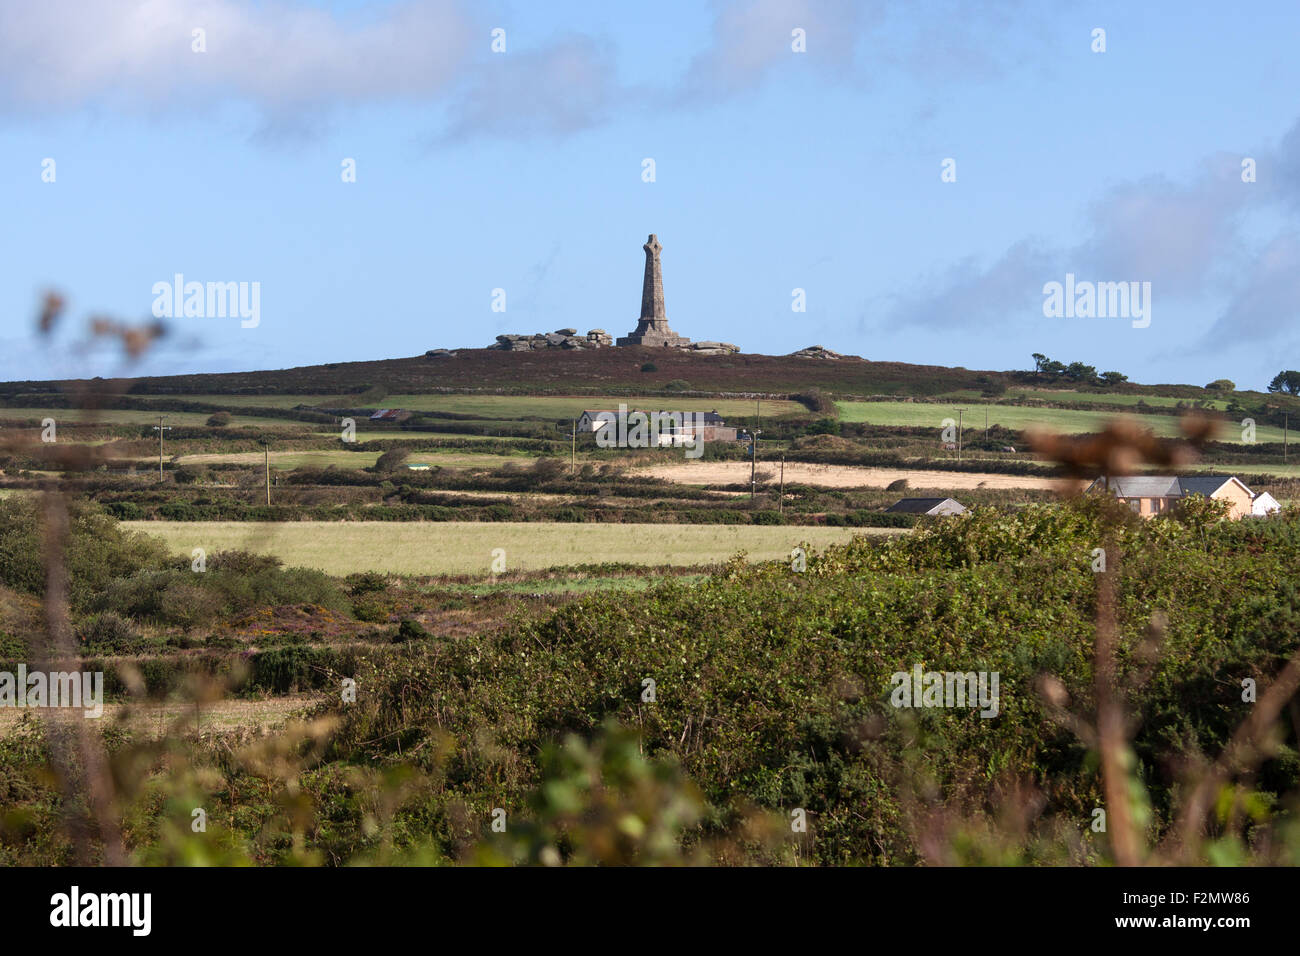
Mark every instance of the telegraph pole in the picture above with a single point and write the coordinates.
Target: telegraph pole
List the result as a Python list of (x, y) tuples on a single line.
[(959, 411), (573, 449), (781, 501), (266, 450), (160, 428), (753, 464)]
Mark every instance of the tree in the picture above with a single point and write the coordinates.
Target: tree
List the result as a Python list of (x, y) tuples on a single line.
[(391, 460), (1288, 381), (1222, 385), (219, 420), (1078, 372), (1113, 378), (1039, 361)]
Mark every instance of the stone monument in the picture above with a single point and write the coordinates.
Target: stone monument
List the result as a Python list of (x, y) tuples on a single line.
[(652, 328)]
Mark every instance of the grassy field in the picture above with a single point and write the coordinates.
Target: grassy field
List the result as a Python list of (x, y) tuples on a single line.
[(841, 476), (289, 460), (514, 406), (1105, 398), (1069, 421), (458, 547), (118, 416), (159, 720)]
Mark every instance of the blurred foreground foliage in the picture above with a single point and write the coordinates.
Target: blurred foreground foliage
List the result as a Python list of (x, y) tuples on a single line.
[(770, 704)]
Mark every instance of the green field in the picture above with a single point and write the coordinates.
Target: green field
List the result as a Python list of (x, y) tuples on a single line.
[(289, 460), (116, 416), (462, 547), (1106, 398), (514, 406), (1017, 417)]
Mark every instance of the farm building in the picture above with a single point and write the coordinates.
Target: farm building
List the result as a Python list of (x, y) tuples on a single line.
[(1264, 504), (927, 506), (674, 428), (390, 415), (1150, 495), (592, 419)]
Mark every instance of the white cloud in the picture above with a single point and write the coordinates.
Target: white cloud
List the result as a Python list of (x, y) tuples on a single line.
[(61, 54)]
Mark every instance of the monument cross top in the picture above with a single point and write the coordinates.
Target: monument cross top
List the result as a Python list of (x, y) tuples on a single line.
[(652, 327)]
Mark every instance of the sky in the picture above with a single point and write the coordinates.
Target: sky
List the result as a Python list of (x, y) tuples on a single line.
[(920, 169)]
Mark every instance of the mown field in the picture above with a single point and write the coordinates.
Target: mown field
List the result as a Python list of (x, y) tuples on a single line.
[(1015, 417), (456, 547)]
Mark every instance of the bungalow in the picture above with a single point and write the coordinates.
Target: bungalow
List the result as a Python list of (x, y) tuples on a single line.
[(1150, 495), (927, 506)]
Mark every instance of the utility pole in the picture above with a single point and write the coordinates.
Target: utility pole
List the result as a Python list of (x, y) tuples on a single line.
[(573, 449), (160, 428), (753, 461), (959, 411), (986, 423), (1286, 421), (753, 466), (266, 449), (781, 501)]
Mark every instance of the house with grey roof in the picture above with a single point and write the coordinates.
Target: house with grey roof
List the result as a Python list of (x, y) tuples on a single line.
[(1150, 495), (926, 506)]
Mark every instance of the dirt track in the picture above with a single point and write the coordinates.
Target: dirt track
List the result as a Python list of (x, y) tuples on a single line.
[(837, 476)]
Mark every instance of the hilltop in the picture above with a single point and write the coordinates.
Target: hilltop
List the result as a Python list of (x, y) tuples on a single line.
[(612, 370)]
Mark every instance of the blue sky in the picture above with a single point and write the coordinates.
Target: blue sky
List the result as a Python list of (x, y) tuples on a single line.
[(775, 170)]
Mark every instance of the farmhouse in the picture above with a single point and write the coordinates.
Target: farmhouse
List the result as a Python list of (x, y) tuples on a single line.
[(592, 419), (671, 428), (927, 506), (1150, 495)]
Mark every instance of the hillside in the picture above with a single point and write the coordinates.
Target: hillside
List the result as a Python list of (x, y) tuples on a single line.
[(605, 370)]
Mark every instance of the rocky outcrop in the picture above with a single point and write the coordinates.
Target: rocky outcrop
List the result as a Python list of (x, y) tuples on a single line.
[(712, 348), (816, 351), (559, 339)]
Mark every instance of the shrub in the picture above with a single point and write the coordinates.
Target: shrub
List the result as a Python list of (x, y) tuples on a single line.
[(366, 582), (98, 550), (219, 420), (409, 630), (108, 632), (391, 460)]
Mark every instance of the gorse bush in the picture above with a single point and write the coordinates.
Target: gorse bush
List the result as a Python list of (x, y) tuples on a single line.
[(772, 686), (235, 582), (98, 550)]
